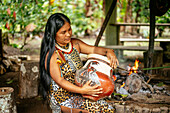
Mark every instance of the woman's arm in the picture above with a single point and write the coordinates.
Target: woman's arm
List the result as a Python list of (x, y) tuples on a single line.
[(88, 49), (56, 76)]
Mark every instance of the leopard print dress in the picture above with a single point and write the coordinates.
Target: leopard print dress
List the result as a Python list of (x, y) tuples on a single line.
[(59, 96)]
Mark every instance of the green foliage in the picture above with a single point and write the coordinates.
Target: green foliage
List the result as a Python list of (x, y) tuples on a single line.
[(143, 7), (26, 12), (163, 19), (160, 84), (75, 10), (16, 45), (38, 11), (121, 10)]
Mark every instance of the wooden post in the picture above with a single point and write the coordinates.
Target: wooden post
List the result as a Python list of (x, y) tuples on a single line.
[(109, 13), (112, 32), (29, 79), (151, 37), (157, 61), (7, 101)]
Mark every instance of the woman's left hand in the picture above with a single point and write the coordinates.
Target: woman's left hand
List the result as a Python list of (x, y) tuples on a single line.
[(113, 59)]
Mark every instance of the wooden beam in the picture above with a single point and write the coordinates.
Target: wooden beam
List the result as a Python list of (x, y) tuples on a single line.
[(142, 40), (132, 48), (113, 5), (139, 24), (151, 37)]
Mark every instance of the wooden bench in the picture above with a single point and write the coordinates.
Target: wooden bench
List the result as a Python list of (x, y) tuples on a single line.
[(136, 24), (120, 48), (137, 48), (122, 40), (132, 48)]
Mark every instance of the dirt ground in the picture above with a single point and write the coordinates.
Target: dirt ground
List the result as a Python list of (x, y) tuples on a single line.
[(30, 105)]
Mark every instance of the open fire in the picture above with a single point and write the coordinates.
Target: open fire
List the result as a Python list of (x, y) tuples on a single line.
[(128, 81), (135, 67), (132, 70), (132, 85)]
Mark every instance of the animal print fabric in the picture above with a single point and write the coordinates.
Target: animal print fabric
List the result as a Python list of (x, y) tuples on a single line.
[(60, 96)]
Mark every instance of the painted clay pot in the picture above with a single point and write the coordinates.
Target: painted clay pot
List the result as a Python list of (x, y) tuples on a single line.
[(98, 70)]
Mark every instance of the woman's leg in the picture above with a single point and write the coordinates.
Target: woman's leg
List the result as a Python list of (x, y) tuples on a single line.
[(72, 110)]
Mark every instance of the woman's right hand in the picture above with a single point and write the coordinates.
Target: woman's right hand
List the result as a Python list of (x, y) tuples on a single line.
[(91, 90)]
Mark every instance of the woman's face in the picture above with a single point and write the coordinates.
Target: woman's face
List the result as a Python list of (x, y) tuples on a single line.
[(63, 36)]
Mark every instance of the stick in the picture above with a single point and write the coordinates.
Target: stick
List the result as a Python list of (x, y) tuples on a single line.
[(156, 68)]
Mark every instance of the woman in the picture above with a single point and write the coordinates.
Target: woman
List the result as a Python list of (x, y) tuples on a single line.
[(59, 59)]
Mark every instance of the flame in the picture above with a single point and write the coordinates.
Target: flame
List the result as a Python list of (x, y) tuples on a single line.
[(114, 77), (122, 85), (135, 67)]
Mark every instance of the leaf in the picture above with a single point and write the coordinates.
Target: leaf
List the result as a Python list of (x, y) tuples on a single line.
[(9, 82), (160, 84), (15, 45), (120, 95)]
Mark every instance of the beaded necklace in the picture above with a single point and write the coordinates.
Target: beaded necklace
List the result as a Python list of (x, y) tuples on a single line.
[(65, 49)]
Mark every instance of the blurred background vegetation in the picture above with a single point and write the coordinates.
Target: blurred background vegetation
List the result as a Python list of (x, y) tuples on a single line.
[(86, 15)]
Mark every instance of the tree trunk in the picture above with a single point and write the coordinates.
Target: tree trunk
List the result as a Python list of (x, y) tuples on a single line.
[(137, 16), (29, 79), (1, 47), (128, 13), (88, 14), (7, 101)]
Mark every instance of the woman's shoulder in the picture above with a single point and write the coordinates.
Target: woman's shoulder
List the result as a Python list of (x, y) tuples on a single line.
[(75, 40), (53, 57)]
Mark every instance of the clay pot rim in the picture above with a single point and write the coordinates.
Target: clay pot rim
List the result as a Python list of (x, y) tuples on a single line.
[(6, 90), (100, 57)]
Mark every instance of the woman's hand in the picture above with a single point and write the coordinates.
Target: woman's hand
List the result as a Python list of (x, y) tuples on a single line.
[(91, 90), (113, 59)]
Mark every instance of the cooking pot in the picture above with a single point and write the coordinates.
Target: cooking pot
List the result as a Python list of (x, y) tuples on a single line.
[(98, 70)]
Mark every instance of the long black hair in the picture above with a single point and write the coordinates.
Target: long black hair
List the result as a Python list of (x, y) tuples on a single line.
[(54, 23)]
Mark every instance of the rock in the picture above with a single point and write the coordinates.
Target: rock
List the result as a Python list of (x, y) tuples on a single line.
[(164, 109), (119, 108), (137, 109), (146, 110), (128, 109), (156, 110)]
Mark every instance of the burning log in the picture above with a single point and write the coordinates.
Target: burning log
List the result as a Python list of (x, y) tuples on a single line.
[(134, 93), (132, 80), (133, 83)]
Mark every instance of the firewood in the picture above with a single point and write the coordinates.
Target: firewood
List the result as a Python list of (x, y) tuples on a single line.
[(2, 69), (15, 68), (133, 83), (14, 59), (7, 63), (24, 57)]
